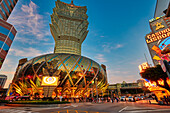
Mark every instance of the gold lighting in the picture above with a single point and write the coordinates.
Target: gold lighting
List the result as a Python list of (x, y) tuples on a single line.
[(159, 25)]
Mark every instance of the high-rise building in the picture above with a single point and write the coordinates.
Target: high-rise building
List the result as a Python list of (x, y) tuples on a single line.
[(6, 7), (161, 6), (7, 31), (3, 79), (7, 34), (157, 39), (69, 27)]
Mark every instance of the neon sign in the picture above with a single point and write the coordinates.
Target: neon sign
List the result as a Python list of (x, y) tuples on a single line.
[(158, 36)]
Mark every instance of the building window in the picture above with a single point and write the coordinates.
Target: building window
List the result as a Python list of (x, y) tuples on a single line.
[(6, 6), (2, 9), (9, 4)]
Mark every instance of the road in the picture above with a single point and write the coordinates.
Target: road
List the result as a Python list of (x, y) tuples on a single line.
[(121, 107)]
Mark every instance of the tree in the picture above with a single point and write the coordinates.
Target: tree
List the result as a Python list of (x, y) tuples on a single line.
[(154, 74)]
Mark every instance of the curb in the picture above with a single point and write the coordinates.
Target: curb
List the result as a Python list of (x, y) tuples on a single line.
[(37, 105)]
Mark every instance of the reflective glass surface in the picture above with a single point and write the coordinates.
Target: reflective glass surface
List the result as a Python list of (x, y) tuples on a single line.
[(73, 70)]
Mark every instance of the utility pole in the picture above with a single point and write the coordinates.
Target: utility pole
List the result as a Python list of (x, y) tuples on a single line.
[(146, 58)]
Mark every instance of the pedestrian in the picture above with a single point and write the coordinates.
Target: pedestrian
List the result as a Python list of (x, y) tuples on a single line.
[(112, 100), (74, 100), (134, 99), (117, 99)]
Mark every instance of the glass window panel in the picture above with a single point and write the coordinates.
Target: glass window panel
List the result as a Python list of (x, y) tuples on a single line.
[(11, 36), (6, 6), (1, 16), (3, 10), (5, 46)]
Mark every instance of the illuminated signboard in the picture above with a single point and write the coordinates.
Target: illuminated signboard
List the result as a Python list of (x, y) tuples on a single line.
[(49, 81), (158, 25), (157, 40), (158, 36), (143, 66)]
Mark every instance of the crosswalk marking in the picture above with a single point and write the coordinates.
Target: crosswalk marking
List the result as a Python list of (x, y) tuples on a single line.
[(15, 111), (123, 109), (142, 111)]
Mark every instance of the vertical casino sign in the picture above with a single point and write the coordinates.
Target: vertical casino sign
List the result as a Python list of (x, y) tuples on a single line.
[(158, 39)]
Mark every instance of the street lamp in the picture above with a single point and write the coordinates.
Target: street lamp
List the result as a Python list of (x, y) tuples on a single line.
[(96, 89)]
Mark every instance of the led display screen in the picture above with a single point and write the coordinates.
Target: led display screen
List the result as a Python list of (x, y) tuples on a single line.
[(49, 81)]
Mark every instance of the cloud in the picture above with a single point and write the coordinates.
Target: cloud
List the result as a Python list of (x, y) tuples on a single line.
[(28, 21), (26, 40), (118, 76), (28, 52), (118, 46), (100, 58), (138, 61), (109, 47)]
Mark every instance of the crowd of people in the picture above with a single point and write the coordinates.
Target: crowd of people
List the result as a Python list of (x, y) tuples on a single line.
[(90, 99)]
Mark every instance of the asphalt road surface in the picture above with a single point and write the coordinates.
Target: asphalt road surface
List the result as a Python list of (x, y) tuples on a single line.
[(121, 107)]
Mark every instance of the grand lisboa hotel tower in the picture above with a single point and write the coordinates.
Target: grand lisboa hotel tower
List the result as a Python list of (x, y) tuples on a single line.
[(65, 72)]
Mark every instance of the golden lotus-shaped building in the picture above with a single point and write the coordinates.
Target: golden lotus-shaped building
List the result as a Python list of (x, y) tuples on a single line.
[(65, 72), (77, 75)]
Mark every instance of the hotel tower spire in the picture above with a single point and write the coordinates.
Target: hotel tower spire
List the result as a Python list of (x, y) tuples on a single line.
[(69, 27)]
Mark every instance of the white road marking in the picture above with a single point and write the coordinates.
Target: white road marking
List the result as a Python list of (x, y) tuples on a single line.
[(66, 107), (123, 109), (74, 105), (15, 111), (149, 110)]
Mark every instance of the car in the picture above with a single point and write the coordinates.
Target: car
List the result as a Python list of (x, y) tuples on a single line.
[(123, 98), (130, 98), (137, 98), (142, 97)]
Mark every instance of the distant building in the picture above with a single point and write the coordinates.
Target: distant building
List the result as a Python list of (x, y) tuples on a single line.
[(3, 79), (127, 88), (7, 31)]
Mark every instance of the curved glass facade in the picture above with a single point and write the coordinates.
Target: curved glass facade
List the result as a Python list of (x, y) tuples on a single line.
[(77, 75)]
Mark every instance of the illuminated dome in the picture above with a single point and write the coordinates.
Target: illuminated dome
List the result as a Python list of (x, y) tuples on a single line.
[(76, 75)]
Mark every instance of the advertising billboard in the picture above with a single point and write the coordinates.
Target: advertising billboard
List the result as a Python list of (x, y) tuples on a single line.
[(49, 81), (158, 40)]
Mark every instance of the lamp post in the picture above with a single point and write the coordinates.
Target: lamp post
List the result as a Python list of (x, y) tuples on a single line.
[(96, 89)]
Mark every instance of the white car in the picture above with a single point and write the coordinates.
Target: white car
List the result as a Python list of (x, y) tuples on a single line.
[(123, 98), (130, 98)]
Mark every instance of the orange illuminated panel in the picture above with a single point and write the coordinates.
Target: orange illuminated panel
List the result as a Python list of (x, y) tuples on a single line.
[(49, 81), (143, 66), (156, 49)]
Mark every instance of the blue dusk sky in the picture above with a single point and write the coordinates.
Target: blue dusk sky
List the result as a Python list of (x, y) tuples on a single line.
[(116, 34)]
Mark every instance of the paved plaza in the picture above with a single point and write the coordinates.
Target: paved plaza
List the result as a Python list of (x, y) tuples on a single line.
[(120, 107)]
